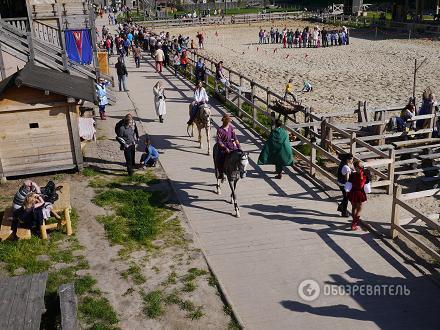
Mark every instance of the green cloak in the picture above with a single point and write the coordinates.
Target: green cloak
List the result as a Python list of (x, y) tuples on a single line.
[(277, 150)]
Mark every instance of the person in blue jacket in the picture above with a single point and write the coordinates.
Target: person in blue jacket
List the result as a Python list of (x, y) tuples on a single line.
[(151, 155)]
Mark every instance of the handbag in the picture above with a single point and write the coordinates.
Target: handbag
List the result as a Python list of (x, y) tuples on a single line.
[(367, 188), (347, 186)]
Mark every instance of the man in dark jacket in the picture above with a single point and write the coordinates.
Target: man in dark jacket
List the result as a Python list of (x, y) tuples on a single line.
[(122, 73), (127, 138)]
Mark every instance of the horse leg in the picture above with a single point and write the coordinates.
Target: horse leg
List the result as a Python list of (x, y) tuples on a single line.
[(237, 209), (200, 137), (208, 138), (219, 191), (232, 185)]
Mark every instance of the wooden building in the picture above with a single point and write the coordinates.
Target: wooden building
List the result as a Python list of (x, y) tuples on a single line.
[(39, 121)]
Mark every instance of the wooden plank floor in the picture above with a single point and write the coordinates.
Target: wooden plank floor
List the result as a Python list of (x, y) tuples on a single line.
[(289, 231), (22, 301)]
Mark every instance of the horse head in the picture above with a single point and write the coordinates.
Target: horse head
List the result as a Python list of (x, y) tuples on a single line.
[(243, 164), (205, 113)]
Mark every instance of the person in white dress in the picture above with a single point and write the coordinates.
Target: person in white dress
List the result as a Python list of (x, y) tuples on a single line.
[(159, 100)]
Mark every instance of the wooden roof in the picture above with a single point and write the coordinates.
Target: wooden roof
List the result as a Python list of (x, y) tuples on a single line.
[(51, 80)]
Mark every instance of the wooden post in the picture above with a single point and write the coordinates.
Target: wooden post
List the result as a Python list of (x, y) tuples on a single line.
[(61, 39), (239, 95), (69, 230), (254, 111), (359, 112), (395, 211), (324, 133), (312, 158), (353, 143), (330, 133), (94, 42), (391, 171), (2, 64), (74, 131)]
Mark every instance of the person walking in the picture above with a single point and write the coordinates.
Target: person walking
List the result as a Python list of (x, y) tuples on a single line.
[(288, 91), (101, 93), (357, 195), (121, 71), (137, 55), (127, 139), (344, 170), (159, 57), (277, 150), (159, 100)]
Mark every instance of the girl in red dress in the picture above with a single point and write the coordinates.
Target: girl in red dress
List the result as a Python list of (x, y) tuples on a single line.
[(357, 195)]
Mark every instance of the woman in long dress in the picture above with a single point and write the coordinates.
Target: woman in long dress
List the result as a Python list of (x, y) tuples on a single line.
[(159, 100)]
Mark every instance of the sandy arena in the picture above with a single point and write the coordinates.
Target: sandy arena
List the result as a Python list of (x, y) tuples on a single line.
[(378, 71)]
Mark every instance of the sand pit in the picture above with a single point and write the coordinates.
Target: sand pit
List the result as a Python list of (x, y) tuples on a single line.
[(378, 71)]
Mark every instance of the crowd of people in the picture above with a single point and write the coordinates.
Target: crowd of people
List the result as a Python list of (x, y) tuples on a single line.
[(305, 38), (166, 49)]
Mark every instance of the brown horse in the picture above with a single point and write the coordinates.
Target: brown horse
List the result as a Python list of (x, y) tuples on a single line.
[(202, 121), (284, 108)]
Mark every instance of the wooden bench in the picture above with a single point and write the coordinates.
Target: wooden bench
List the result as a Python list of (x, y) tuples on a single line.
[(416, 142), (22, 301), (61, 205), (68, 307), (6, 231)]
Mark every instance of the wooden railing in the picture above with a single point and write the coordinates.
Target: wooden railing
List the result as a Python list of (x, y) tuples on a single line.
[(46, 33), (432, 221), (20, 23), (252, 103), (235, 19)]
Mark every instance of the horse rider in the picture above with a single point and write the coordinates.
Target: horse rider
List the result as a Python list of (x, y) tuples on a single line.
[(200, 97), (226, 140)]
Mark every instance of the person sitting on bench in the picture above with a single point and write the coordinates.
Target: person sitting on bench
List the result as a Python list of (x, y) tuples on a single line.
[(26, 188), (406, 114), (33, 213), (151, 155)]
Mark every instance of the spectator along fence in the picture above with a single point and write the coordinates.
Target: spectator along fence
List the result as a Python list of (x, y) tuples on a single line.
[(315, 139), (234, 19), (416, 150)]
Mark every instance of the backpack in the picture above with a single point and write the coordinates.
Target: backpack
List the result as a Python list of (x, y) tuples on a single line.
[(49, 193), (118, 125)]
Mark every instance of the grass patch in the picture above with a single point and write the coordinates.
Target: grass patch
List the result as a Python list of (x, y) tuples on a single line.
[(139, 215), (134, 272), (171, 279), (98, 309), (193, 273), (189, 286), (89, 172), (196, 314), (85, 284), (153, 304)]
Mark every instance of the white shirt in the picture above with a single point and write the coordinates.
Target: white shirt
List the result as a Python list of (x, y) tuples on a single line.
[(200, 95)]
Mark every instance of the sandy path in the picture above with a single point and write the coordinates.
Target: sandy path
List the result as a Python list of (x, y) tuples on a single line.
[(378, 71)]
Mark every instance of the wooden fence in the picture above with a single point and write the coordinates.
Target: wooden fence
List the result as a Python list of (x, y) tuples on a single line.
[(432, 221), (234, 19), (252, 103)]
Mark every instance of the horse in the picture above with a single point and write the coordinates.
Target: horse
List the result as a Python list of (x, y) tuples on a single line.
[(235, 168), (284, 108), (202, 121)]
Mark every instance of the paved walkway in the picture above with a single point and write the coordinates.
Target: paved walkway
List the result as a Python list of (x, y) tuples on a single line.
[(289, 231)]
